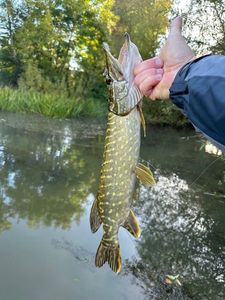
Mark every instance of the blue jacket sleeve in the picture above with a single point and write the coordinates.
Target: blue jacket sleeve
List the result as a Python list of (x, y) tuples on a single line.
[(199, 91)]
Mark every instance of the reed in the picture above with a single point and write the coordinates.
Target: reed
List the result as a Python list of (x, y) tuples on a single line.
[(51, 105), (58, 105)]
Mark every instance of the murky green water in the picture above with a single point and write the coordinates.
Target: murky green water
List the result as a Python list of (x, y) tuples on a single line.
[(48, 178)]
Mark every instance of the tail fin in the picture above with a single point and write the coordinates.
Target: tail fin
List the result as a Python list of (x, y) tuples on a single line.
[(110, 255)]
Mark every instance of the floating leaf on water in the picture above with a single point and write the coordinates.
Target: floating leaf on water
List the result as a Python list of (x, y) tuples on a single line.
[(170, 279)]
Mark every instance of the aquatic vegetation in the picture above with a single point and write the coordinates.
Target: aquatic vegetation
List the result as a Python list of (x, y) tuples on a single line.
[(51, 105), (61, 106)]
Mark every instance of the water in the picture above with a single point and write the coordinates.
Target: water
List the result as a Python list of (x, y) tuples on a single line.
[(48, 178)]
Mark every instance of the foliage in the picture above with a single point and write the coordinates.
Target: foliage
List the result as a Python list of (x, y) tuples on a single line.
[(57, 37), (32, 79), (164, 113), (146, 21), (61, 106), (53, 49), (10, 20)]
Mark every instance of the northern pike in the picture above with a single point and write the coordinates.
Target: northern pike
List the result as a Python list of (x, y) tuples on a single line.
[(120, 167)]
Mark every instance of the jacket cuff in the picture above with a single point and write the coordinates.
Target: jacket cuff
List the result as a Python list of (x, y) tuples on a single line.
[(179, 88)]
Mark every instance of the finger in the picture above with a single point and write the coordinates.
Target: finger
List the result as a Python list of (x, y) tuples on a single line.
[(176, 26), (151, 63), (148, 93), (162, 94), (149, 83), (146, 74)]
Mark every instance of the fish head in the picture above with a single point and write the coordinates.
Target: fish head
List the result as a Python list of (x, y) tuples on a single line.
[(124, 95)]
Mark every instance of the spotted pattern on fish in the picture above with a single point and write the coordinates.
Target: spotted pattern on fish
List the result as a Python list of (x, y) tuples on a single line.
[(112, 206), (117, 180)]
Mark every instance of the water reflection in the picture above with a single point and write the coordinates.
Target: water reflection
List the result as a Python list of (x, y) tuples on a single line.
[(211, 149), (180, 236), (49, 169), (43, 179)]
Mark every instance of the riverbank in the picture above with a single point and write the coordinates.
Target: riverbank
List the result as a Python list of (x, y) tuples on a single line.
[(63, 107)]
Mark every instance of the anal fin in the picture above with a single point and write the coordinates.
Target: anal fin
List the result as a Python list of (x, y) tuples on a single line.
[(144, 174), (95, 221), (132, 225)]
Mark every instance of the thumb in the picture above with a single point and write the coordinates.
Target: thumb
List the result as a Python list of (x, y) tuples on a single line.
[(176, 26)]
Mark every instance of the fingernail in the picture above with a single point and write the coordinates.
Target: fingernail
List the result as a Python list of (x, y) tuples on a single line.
[(158, 62)]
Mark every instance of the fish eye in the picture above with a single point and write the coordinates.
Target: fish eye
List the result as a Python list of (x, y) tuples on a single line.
[(108, 80)]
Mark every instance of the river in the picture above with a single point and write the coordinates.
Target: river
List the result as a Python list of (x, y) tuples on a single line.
[(49, 172)]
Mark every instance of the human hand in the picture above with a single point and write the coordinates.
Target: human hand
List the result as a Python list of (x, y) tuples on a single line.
[(155, 76)]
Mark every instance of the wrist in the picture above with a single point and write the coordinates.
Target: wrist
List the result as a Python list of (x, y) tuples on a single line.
[(178, 67)]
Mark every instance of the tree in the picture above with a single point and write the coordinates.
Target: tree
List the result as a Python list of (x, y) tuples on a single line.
[(60, 38), (204, 22), (145, 22), (10, 20)]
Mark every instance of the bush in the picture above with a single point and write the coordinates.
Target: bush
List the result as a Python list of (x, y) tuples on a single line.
[(163, 113), (61, 106)]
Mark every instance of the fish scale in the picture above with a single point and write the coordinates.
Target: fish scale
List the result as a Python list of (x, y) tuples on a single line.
[(120, 167), (126, 154)]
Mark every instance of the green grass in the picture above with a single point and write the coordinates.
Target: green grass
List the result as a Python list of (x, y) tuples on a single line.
[(51, 105), (60, 106)]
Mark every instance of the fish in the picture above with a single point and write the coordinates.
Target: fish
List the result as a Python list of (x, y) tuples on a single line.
[(120, 165)]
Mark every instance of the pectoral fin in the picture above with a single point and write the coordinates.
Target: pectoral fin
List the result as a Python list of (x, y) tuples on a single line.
[(145, 175), (131, 224), (95, 220)]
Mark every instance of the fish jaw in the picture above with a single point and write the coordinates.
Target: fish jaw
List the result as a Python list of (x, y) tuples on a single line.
[(129, 57), (122, 68), (124, 95), (113, 67)]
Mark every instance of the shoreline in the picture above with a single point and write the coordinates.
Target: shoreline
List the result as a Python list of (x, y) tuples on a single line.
[(60, 106)]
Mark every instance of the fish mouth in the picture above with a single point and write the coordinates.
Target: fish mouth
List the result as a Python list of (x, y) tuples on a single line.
[(114, 66), (127, 39), (122, 68), (119, 74), (126, 45), (106, 48)]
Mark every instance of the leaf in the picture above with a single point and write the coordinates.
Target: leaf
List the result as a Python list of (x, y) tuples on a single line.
[(168, 281), (173, 279)]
